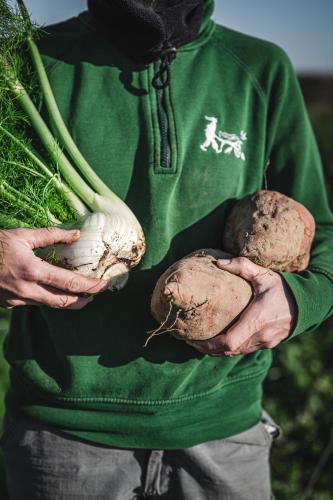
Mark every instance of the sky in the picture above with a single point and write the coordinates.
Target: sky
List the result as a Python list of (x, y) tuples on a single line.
[(303, 28)]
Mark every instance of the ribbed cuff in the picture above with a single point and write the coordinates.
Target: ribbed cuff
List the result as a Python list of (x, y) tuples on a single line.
[(313, 294)]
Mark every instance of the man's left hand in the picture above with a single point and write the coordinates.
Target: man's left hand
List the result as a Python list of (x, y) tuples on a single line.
[(266, 321)]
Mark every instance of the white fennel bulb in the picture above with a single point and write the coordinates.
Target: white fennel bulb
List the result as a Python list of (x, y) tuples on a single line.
[(111, 243), (111, 240)]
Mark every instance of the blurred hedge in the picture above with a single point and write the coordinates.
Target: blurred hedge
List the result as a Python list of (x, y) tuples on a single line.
[(299, 388)]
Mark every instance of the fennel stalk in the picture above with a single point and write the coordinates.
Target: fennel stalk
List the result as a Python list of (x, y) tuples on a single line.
[(57, 186)]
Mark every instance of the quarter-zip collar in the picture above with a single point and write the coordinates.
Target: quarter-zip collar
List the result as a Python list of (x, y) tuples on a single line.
[(206, 28), (147, 29)]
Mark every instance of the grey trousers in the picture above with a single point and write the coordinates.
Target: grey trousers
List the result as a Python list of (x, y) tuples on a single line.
[(43, 463)]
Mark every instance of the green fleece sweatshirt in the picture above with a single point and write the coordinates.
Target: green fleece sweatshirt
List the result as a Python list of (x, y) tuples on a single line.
[(179, 158)]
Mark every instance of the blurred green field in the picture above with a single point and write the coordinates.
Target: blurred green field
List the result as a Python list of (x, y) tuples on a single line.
[(299, 389)]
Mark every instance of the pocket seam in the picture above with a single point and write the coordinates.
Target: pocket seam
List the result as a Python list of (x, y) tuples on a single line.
[(267, 437)]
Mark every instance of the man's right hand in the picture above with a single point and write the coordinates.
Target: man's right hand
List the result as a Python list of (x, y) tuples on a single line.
[(25, 279)]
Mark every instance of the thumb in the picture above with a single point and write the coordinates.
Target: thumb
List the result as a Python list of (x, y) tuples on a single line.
[(245, 268), (40, 238)]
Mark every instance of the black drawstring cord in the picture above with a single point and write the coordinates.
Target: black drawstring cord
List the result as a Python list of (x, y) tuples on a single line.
[(162, 77)]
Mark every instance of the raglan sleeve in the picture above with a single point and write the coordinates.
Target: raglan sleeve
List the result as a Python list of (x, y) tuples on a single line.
[(296, 170)]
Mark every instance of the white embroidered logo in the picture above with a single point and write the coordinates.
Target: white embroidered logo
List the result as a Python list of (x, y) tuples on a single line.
[(231, 142)]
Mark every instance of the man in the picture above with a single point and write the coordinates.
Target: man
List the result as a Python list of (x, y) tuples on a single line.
[(152, 92)]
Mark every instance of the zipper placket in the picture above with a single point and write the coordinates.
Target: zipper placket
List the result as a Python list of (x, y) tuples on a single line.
[(164, 128), (161, 84)]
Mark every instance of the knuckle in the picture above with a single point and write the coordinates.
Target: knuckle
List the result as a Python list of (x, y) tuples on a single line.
[(265, 277), (257, 324), (243, 262), (63, 302), (248, 267), (46, 230), (74, 284), (23, 291), (266, 337), (53, 232), (40, 276), (28, 274), (71, 302)]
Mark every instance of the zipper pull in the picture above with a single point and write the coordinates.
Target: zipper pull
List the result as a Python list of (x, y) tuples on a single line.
[(162, 77)]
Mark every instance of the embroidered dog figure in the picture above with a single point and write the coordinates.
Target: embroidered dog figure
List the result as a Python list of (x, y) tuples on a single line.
[(211, 137), (223, 142)]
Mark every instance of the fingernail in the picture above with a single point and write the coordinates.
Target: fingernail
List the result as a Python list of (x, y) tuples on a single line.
[(223, 262)]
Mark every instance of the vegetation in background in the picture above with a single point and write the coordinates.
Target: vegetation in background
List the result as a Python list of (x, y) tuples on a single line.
[(299, 396), (299, 389)]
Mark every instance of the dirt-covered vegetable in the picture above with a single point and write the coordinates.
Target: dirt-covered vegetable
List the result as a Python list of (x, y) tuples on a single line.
[(195, 300), (272, 230)]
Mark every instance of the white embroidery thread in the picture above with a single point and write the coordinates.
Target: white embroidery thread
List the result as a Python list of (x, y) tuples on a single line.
[(220, 140)]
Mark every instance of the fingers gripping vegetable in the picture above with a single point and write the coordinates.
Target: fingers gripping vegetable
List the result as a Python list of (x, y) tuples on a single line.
[(25, 279), (60, 187), (195, 300)]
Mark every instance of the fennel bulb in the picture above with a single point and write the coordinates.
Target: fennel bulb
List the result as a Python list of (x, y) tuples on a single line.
[(61, 187)]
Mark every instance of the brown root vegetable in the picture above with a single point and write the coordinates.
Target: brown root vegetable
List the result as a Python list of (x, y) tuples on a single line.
[(195, 300), (272, 230)]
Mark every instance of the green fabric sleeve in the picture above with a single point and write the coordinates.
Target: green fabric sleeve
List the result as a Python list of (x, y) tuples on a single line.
[(313, 295), (295, 169)]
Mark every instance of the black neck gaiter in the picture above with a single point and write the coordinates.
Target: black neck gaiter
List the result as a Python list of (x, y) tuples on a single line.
[(146, 30)]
